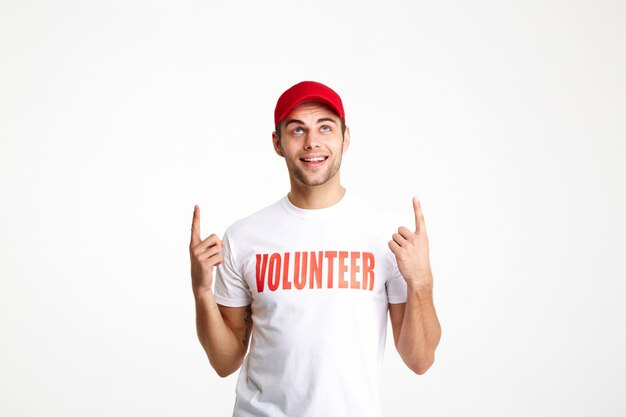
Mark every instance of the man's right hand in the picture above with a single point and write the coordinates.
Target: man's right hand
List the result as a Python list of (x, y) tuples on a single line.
[(205, 254)]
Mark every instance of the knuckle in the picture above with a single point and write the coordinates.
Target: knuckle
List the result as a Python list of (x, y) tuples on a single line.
[(213, 240)]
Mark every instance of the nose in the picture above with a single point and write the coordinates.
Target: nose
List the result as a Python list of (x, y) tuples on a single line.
[(311, 140)]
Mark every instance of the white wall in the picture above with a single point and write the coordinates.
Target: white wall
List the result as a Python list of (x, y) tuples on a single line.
[(507, 119)]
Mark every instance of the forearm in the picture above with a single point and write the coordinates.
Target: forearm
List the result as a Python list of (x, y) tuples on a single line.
[(224, 350), (420, 331)]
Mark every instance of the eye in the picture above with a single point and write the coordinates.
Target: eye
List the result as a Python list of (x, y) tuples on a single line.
[(325, 128), (297, 131)]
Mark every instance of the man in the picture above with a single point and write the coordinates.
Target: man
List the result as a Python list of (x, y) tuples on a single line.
[(310, 280)]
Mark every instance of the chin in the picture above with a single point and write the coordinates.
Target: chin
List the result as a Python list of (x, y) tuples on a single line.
[(311, 181)]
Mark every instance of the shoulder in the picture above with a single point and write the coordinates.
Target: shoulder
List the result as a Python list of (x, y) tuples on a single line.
[(259, 219)]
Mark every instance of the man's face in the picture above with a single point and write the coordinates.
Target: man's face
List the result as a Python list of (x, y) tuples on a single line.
[(312, 144)]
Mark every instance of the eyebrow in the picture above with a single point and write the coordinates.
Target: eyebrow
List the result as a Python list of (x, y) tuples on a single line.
[(293, 121), (323, 119)]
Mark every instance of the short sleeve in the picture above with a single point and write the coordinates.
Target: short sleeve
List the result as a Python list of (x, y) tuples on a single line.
[(396, 286), (231, 288)]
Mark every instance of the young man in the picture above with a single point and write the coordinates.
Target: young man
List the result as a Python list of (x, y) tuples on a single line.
[(310, 279)]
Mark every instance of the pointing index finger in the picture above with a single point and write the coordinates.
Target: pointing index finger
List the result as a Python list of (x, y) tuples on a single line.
[(195, 226), (419, 217)]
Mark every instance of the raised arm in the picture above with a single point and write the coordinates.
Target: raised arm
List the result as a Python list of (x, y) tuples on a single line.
[(416, 328), (223, 331)]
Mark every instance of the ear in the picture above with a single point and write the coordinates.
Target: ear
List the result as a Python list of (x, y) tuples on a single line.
[(276, 143), (346, 139)]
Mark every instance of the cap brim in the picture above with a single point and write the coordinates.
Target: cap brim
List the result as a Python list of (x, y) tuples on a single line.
[(311, 97)]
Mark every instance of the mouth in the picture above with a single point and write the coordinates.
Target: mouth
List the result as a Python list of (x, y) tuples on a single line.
[(314, 161)]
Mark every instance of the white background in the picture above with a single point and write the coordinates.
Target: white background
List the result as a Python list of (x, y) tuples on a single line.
[(507, 119)]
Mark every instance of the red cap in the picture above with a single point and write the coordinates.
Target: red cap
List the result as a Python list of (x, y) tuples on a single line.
[(307, 91)]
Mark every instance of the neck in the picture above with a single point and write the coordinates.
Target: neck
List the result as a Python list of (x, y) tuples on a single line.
[(316, 196)]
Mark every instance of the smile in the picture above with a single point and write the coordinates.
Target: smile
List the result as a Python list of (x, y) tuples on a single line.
[(314, 159)]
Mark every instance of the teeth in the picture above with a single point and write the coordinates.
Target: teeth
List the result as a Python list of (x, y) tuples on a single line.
[(318, 159)]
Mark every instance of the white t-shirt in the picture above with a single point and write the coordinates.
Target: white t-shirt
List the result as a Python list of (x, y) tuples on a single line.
[(319, 282)]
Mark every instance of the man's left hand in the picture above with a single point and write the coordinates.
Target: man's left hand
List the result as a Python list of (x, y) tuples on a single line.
[(411, 251)]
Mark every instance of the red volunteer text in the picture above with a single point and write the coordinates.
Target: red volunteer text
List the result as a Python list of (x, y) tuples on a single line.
[(297, 270)]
